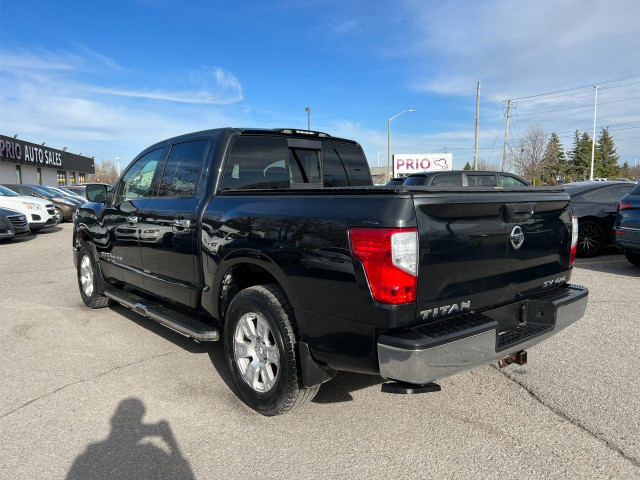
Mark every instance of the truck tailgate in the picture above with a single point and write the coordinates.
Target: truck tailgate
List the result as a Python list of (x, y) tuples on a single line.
[(481, 248)]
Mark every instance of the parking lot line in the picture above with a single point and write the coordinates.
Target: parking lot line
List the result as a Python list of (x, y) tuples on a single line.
[(596, 263)]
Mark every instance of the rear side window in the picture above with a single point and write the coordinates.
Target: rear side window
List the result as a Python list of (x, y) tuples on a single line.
[(481, 180), (508, 181), (447, 180), (636, 191), (619, 191), (182, 170), (601, 195), (417, 180), (257, 162)]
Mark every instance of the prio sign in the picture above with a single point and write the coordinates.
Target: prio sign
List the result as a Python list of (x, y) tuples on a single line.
[(407, 163)]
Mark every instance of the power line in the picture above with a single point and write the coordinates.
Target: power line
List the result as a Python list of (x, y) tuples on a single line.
[(580, 106), (628, 77)]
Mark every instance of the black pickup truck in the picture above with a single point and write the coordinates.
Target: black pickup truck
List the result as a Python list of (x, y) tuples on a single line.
[(277, 242)]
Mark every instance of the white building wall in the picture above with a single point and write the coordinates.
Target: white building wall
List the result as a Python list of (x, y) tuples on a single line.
[(30, 174)]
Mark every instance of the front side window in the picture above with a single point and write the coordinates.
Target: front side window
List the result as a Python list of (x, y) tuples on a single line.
[(488, 180), (136, 183), (182, 170), (416, 180), (257, 162)]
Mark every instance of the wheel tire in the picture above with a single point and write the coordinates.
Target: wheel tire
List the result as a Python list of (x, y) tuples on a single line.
[(633, 257), (60, 215), (270, 304), (590, 239), (87, 265)]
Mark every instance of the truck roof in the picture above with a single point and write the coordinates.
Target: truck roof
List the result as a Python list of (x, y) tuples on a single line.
[(285, 132)]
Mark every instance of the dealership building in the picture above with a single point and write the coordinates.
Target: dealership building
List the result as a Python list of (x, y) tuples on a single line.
[(33, 164)]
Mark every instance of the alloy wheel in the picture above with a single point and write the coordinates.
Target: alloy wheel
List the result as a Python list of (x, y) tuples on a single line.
[(589, 239), (255, 352), (86, 275)]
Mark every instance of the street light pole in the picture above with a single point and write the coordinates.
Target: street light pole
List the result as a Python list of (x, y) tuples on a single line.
[(389, 139), (593, 140), (118, 160), (308, 110)]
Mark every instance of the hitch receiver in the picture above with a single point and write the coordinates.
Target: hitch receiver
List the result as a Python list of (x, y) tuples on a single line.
[(520, 358), (403, 388)]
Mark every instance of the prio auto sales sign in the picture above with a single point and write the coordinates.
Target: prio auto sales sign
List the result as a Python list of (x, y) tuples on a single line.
[(407, 163)]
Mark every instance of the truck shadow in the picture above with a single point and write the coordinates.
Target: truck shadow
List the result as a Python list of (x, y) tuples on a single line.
[(133, 449), (337, 390)]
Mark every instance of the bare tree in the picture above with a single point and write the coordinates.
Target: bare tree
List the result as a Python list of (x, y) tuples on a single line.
[(486, 165), (105, 172), (528, 157)]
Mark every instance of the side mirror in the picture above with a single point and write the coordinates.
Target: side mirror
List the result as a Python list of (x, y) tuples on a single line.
[(97, 193)]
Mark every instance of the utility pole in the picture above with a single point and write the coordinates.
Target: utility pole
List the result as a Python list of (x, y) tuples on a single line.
[(308, 110), (506, 136), (593, 140), (475, 148), (379, 158), (118, 161)]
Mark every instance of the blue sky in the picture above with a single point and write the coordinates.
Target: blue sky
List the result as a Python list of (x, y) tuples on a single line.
[(110, 78)]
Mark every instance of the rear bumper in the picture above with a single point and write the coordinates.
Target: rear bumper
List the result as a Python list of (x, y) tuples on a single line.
[(441, 349), (628, 238)]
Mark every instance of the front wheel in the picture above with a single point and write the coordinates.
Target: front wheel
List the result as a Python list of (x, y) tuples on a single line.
[(59, 215), (88, 278), (633, 257), (260, 347), (590, 238)]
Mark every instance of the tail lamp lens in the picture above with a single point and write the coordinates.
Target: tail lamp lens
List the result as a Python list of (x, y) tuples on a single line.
[(574, 240), (623, 205), (390, 260)]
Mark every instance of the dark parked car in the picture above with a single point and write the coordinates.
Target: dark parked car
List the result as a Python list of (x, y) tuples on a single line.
[(277, 242), (627, 226), (12, 223), (77, 189), (596, 205), (64, 206), (466, 178)]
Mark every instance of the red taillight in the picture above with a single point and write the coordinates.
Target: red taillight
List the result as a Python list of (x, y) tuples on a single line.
[(390, 259), (574, 240), (623, 205)]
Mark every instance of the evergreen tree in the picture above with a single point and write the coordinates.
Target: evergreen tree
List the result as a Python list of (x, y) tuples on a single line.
[(467, 166), (608, 166), (580, 157), (555, 163), (626, 171)]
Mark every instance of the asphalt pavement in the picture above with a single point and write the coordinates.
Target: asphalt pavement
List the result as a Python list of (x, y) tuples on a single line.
[(109, 394)]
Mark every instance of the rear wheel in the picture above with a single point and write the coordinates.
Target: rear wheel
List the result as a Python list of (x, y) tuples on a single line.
[(633, 257), (88, 278), (260, 336), (590, 238)]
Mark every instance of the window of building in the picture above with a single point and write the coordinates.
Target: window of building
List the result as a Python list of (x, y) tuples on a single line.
[(136, 183), (182, 170), (82, 178), (257, 162), (72, 178), (18, 175), (62, 177), (39, 174)]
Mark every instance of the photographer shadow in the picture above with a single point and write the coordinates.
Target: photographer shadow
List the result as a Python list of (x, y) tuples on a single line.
[(132, 450)]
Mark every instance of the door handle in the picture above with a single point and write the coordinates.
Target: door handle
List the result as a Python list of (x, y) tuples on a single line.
[(132, 219), (181, 225)]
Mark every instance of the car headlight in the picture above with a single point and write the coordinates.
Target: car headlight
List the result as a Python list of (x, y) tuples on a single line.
[(32, 206)]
